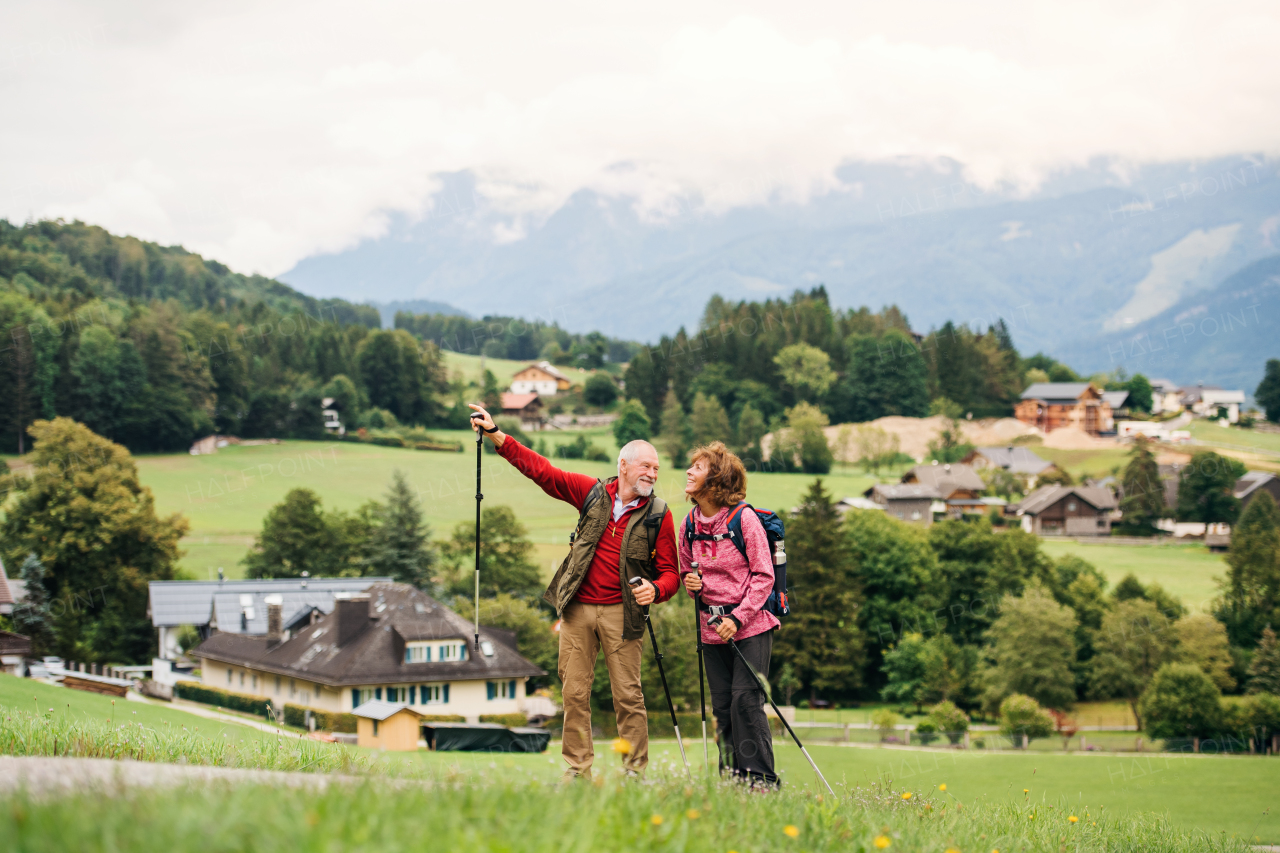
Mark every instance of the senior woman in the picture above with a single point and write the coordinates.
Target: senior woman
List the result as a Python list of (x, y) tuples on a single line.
[(736, 587)]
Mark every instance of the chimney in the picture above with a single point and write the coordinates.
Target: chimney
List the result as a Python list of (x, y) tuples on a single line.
[(353, 616), (275, 618)]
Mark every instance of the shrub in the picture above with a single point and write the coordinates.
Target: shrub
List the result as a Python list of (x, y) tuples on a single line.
[(580, 448), (1181, 702), (193, 692), (1263, 716), (505, 719), (884, 720), (600, 390), (927, 731), (1021, 715), (632, 423), (443, 718), (326, 721), (377, 419), (950, 720)]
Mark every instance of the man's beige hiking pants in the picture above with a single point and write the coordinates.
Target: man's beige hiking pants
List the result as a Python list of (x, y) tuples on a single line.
[(584, 631)]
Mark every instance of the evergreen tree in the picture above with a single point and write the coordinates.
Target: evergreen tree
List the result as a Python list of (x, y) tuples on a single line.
[(1251, 591), (1264, 669), (887, 376), (1143, 502), (31, 616), (400, 545), (821, 639), (600, 390), (296, 537), (709, 422), (632, 424), (674, 438), (1205, 490), (1268, 393)]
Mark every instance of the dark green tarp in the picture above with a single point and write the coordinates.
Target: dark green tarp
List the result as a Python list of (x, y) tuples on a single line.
[(484, 737)]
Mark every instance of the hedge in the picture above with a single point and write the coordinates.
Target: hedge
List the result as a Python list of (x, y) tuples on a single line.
[(327, 721), (195, 692), (505, 719), (443, 718)]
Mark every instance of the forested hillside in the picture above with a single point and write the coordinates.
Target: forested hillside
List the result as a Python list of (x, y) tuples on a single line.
[(152, 346)]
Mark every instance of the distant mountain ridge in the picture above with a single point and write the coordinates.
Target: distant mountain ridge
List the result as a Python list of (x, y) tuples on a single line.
[(1087, 258)]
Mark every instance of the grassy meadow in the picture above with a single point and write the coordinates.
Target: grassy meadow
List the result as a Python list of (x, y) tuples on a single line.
[(226, 495), (1187, 571)]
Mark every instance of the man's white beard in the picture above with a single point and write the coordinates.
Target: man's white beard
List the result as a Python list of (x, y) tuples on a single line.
[(643, 489)]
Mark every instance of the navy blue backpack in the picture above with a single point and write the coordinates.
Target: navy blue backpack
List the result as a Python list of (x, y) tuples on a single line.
[(776, 533)]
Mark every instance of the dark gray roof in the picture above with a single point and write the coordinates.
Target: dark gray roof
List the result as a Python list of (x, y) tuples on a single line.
[(1115, 399), (1015, 459), (903, 492), (1251, 482), (947, 478), (1046, 496), (1055, 391), (375, 653), (173, 603)]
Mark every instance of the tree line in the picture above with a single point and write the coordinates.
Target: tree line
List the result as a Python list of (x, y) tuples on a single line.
[(154, 346)]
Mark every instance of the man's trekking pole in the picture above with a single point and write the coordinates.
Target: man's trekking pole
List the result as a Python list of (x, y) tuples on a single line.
[(702, 694), (480, 431), (657, 655), (760, 683)]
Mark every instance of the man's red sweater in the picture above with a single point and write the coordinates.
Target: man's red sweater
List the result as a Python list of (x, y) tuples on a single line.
[(602, 584)]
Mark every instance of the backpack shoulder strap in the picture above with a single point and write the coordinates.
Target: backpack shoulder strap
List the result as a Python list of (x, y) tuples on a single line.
[(653, 523), (735, 527), (596, 492)]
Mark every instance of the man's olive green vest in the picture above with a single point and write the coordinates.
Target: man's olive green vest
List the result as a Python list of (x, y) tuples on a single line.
[(637, 555)]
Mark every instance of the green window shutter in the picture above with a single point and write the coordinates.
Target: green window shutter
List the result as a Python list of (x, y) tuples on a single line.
[(491, 689), (446, 693), (413, 699), (355, 699), (377, 693), (511, 689)]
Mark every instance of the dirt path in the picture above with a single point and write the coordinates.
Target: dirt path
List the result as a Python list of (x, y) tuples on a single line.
[(45, 776)]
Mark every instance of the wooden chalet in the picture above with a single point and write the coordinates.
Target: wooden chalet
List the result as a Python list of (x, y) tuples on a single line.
[(1051, 405)]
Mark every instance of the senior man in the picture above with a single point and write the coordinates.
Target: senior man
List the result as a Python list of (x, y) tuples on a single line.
[(624, 531)]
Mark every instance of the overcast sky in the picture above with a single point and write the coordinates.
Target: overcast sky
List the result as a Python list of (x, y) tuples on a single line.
[(259, 133)]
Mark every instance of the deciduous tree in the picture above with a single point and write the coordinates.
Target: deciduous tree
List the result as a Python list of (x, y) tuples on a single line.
[(1032, 646)]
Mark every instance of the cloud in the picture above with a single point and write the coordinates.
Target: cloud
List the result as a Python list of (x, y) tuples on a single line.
[(260, 133)]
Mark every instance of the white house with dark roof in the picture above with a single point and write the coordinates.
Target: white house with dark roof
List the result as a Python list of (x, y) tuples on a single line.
[(240, 606), (391, 643)]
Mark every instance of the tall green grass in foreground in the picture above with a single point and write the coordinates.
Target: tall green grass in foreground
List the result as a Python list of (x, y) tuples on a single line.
[(524, 816), (26, 733)]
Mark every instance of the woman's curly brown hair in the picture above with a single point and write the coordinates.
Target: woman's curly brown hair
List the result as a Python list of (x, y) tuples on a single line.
[(726, 483)]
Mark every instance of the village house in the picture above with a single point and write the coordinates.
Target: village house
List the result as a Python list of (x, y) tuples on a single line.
[(1210, 401), (14, 650), (240, 606), (913, 503), (1165, 397), (526, 407), (959, 486), (8, 595), (1051, 405), (1255, 482), (1068, 511), (1018, 461), (1118, 401), (390, 644), (541, 378)]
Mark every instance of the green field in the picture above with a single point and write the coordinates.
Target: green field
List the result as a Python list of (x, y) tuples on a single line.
[(28, 695), (1187, 571), (225, 495), (469, 367), (1094, 462)]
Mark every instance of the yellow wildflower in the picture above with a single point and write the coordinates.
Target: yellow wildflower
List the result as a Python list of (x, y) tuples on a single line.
[(1073, 818), (791, 831), (906, 795), (656, 820), (942, 787), (693, 814), (622, 746), (1026, 790), (952, 850), (882, 841)]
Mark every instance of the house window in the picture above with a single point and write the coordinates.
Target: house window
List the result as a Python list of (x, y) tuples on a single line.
[(375, 728), (915, 516), (397, 694), (293, 688), (277, 685), (501, 689), (228, 676), (1071, 506), (417, 653), (434, 694), (242, 678), (453, 651)]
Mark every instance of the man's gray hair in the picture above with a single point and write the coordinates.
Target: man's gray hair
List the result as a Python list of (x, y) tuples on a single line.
[(631, 448)]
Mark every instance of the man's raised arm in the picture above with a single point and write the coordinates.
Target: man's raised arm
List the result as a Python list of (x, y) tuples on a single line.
[(562, 485)]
